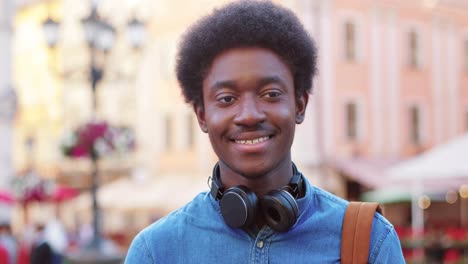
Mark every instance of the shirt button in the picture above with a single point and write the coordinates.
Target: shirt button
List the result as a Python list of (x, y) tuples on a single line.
[(260, 244)]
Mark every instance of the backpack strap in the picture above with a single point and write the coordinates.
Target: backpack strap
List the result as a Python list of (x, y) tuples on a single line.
[(357, 226)]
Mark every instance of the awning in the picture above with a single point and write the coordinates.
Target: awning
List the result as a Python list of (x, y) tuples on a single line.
[(443, 167), (163, 193), (366, 171)]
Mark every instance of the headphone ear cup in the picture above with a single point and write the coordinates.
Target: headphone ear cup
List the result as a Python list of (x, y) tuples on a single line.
[(239, 206), (280, 210)]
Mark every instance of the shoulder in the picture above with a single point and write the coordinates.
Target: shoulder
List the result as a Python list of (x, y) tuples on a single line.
[(44, 246), (321, 212), (324, 202), (334, 205), (146, 243), (339, 205), (186, 215), (139, 251), (385, 244), (329, 199)]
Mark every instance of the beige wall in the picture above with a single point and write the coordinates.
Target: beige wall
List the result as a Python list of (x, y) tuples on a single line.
[(6, 91), (380, 81), (435, 86)]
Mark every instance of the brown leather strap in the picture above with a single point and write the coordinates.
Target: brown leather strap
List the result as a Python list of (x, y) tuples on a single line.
[(357, 225)]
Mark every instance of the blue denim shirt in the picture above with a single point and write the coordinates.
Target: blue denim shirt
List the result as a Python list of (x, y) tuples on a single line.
[(197, 233)]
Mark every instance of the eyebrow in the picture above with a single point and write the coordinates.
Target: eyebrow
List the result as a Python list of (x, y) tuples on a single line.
[(262, 82), (223, 84), (271, 79)]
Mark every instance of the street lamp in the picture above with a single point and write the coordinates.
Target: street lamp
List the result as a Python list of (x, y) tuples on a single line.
[(136, 33), (100, 37), (51, 28)]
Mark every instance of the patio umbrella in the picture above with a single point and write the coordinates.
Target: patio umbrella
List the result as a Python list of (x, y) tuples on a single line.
[(6, 197), (443, 168), (158, 193), (394, 194), (63, 193)]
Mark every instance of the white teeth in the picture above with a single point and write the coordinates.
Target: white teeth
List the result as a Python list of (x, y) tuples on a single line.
[(252, 141)]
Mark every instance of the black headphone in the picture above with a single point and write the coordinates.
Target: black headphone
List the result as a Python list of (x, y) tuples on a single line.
[(239, 205)]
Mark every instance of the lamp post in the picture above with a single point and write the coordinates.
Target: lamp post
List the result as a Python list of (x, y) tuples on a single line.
[(100, 37)]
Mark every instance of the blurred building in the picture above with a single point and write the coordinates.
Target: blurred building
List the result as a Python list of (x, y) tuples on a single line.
[(391, 84), (55, 95), (7, 93)]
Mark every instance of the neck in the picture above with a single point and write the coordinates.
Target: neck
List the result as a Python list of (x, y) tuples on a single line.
[(276, 178)]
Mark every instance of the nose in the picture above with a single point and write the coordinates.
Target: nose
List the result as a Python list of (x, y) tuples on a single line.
[(250, 112)]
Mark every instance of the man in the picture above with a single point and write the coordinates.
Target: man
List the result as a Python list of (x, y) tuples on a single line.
[(41, 252), (8, 242), (247, 71)]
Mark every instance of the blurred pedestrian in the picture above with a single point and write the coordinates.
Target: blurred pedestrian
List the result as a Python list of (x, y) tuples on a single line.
[(56, 237), (41, 252), (8, 241), (26, 241), (85, 234), (247, 72), (4, 256)]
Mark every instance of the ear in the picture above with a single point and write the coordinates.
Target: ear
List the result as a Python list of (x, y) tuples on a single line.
[(301, 105), (200, 113)]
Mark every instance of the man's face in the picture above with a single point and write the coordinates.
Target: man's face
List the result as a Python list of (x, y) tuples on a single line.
[(250, 110)]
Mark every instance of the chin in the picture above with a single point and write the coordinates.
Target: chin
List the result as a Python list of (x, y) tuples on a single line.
[(252, 171)]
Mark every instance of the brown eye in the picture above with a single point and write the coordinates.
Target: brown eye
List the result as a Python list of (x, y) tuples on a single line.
[(226, 99), (272, 94)]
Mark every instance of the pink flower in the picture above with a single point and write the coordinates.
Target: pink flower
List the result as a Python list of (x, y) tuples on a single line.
[(79, 151), (98, 138)]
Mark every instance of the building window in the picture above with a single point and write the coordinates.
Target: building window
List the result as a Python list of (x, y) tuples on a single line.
[(465, 55), (413, 48), (350, 41), (351, 121), (415, 125), (466, 121), (166, 63), (168, 131), (190, 131)]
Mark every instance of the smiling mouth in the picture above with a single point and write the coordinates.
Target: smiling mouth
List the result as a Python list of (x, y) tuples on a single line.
[(252, 141)]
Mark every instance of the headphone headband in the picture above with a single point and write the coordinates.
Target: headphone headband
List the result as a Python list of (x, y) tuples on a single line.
[(294, 186), (217, 189), (240, 206)]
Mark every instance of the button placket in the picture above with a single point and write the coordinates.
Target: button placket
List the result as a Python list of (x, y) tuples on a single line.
[(260, 244)]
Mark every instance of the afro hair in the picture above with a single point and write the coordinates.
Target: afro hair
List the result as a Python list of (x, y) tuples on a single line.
[(245, 24)]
